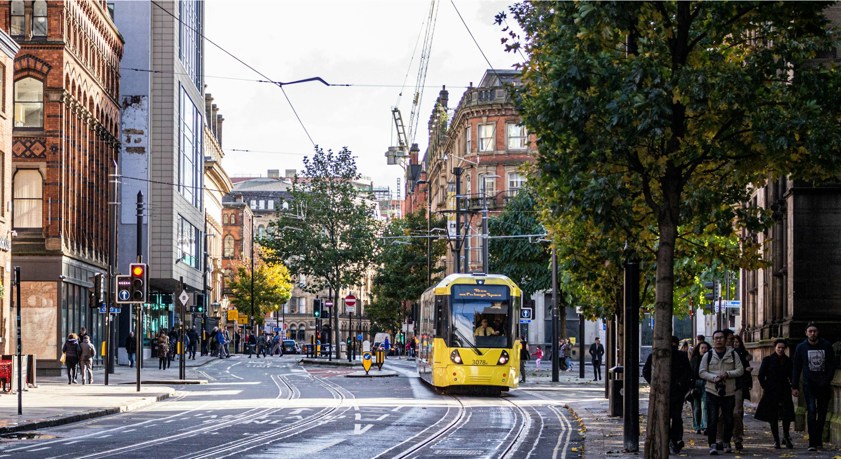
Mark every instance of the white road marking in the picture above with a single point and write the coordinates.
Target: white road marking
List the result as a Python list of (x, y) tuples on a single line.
[(358, 430)]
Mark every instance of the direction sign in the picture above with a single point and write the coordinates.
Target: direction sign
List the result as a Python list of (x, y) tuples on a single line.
[(113, 309), (123, 290), (526, 314), (183, 298)]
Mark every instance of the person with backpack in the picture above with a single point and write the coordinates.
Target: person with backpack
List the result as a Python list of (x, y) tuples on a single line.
[(679, 387), (72, 352), (721, 368), (163, 351), (86, 356)]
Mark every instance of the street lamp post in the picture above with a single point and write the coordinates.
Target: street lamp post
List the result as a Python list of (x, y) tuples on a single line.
[(252, 271), (428, 232), (485, 234)]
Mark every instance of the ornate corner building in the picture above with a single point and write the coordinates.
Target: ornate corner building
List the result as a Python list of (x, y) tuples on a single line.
[(65, 140)]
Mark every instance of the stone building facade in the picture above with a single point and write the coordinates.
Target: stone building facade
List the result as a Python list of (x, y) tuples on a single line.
[(8, 49), (66, 139)]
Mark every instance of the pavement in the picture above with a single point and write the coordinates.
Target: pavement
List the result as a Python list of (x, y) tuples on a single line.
[(54, 402)]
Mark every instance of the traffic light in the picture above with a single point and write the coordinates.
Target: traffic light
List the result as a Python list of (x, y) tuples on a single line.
[(139, 282), (316, 308), (95, 292), (198, 308)]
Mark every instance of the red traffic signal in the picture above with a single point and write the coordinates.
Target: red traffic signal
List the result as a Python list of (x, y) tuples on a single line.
[(139, 285)]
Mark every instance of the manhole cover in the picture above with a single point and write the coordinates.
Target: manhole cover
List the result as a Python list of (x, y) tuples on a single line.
[(27, 436)]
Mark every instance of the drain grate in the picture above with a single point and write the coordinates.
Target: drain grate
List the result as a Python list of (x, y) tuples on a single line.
[(459, 452), (26, 436)]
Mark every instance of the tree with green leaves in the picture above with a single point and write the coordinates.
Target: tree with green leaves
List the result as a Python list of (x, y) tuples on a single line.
[(329, 235), (271, 287), (658, 120), (401, 275), (525, 260)]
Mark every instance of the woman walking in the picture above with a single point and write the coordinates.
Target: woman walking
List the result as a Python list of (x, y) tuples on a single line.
[(698, 394), (72, 352), (775, 404), (163, 351)]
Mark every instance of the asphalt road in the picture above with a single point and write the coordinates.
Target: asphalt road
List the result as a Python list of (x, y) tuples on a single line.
[(274, 407)]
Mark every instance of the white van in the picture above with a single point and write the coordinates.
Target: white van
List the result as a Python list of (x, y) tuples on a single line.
[(379, 339)]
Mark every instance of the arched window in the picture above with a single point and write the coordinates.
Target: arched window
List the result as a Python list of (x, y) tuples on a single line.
[(29, 103), (261, 231), (228, 247), (233, 220), (39, 18), (28, 197), (302, 332), (293, 330)]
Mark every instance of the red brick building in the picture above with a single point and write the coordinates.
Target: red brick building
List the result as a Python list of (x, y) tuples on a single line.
[(65, 141)]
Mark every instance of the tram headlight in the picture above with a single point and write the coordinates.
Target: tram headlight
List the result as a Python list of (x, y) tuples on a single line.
[(456, 357), (503, 358)]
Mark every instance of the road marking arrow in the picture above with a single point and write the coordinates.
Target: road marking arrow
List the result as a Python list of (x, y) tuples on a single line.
[(357, 430)]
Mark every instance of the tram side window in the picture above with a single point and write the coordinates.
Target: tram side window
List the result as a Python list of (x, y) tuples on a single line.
[(441, 315)]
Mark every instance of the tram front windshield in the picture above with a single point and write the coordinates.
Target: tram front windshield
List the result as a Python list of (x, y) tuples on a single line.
[(481, 322)]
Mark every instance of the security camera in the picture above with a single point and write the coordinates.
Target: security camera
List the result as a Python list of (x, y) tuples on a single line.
[(62, 277)]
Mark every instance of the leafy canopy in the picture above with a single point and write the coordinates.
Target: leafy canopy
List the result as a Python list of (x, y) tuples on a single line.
[(272, 288)]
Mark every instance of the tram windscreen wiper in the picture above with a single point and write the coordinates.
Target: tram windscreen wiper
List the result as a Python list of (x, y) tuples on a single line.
[(472, 346)]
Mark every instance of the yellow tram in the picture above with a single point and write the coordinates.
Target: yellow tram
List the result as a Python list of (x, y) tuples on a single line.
[(467, 333)]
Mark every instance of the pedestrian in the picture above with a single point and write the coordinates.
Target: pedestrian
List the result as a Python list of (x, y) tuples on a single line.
[(568, 354), (250, 343), (86, 356), (699, 393), (776, 405), (220, 343), (194, 339), (743, 386), (131, 348), (213, 344), (680, 385), (524, 357), (596, 353), (237, 339), (538, 356), (163, 351), (83, 332), (562, 360), (720, 368), (71, 351), (386, 346), (814, 361), (227, 344)]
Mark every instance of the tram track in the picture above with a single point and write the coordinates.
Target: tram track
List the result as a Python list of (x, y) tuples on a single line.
[(420, 441), (237, 447), (194, 431)]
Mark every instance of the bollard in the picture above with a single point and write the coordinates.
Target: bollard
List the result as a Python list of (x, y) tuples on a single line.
[(615, 383)]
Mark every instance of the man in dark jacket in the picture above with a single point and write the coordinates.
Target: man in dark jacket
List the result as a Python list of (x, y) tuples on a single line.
[(681, 380), (596, 353), (814, 360)]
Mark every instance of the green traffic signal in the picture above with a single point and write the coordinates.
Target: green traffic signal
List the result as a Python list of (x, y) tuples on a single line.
[(316, 308)]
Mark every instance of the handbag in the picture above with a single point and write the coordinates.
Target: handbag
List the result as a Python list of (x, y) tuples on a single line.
[(63, 358)]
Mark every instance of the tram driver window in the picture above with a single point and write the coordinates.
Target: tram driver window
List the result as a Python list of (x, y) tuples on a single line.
[(480, 323)]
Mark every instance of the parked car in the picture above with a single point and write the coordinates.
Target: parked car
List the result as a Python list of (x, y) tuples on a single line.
[(290, 346)]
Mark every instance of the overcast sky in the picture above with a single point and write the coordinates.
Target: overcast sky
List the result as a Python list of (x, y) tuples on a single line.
[(365, 43)]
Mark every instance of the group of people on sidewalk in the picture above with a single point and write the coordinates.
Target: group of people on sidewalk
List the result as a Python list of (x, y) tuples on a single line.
[(716, 379), (77, 354)]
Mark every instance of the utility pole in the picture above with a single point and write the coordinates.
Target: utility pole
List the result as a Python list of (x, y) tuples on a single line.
[(630, 411), (19, 346), (138, 314), (555, 320), (457, 171), (112, 267), (182, 365)]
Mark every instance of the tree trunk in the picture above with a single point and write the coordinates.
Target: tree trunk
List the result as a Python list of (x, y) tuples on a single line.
[(657, 427)]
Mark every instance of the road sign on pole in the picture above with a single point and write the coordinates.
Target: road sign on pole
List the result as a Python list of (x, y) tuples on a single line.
[(350, 303), (123, 289)]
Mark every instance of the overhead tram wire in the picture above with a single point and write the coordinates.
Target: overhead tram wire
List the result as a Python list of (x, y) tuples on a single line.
[(490, 66), (276, 83)]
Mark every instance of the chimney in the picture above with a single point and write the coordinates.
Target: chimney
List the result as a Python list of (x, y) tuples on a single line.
[(213, 114), (219, 120), (274, 173), (208, 102), (290, 173)]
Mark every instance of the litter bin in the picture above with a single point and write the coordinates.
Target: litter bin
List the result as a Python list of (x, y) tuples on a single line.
[(615, 384)]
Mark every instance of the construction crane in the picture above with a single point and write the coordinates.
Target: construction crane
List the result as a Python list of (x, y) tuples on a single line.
[(401, 151)]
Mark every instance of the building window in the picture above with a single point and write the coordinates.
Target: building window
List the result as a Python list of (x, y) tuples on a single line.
[(518, 138), (486, 137), (18, 18), (189, 42), (271, 204), (468, 140), (29, 103), (188, 243), (261, 231), (233, 219), (190, 150), (488, 187), (228, 248), (2, 88), (39, 18), (515, 182), (468, 185), (28, 197)]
